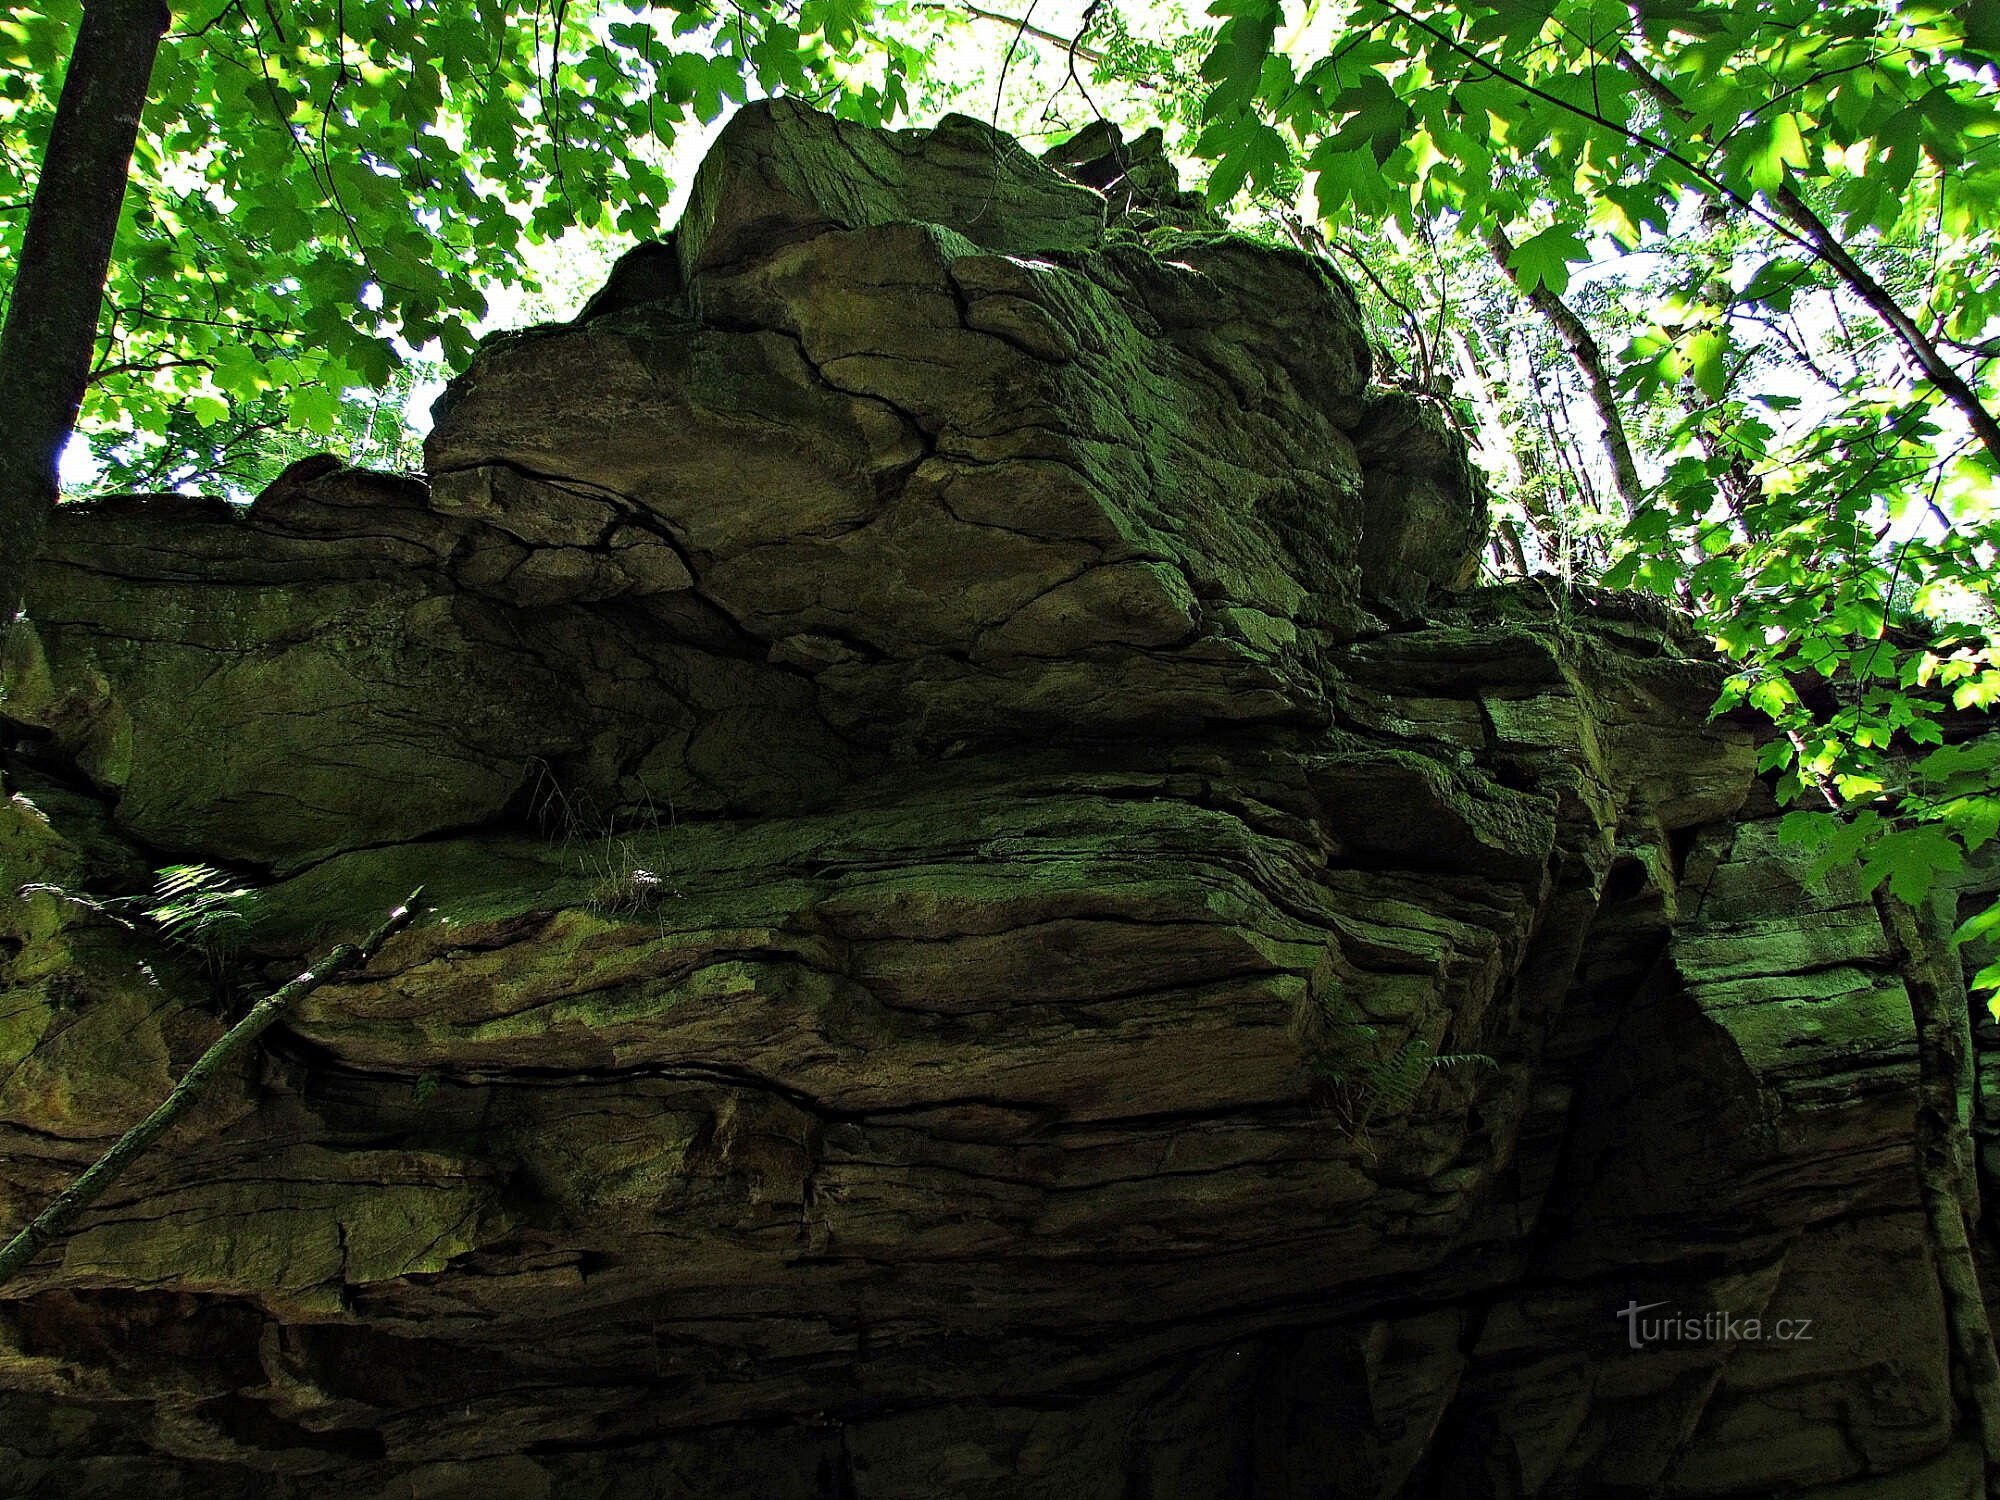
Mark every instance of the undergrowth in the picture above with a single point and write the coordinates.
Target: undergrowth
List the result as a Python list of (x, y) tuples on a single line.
[(622, 879)]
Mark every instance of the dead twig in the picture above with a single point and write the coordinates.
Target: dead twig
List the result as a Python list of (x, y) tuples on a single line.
[(54, 1221)]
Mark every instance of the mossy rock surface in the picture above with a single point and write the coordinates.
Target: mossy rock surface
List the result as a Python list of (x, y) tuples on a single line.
[(998, 921)]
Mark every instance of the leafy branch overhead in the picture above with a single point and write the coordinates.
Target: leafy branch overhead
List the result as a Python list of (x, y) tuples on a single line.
[(1786, 213), (321, 188)]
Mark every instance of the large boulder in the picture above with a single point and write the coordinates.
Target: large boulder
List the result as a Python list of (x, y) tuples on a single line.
[(999, 921)]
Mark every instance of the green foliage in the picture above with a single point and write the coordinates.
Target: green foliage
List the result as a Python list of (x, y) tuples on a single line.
[(201, 908), (1386, 1088), (324, 190), (1802, 198)]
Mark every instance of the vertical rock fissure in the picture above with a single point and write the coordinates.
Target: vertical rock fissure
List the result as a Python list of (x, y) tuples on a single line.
[(1944, 1154)]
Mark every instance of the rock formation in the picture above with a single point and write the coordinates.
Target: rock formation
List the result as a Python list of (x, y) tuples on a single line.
[(1002, 921)]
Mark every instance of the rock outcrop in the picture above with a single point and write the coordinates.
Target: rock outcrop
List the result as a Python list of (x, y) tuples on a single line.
[(1000, 920)]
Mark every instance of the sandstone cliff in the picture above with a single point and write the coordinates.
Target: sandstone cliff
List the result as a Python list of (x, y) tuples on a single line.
[(1001, 921)]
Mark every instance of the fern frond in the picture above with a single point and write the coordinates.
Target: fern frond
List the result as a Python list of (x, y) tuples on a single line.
[(1387, 1088), (201, 907)]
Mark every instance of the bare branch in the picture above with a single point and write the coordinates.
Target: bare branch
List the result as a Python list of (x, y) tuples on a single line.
[(1040, 34), (54, 1221)]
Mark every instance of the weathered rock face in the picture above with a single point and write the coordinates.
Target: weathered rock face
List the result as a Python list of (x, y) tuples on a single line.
[(999, 923)]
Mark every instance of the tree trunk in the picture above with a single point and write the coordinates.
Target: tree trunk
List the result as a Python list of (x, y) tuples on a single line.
[(58, 293), (1589, 361), (1492, 421)]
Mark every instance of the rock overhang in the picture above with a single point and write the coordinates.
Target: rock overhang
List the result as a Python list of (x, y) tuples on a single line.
[(984, 876)]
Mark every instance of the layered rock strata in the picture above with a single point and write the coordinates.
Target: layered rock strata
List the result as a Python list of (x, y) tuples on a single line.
[(1000, 920)]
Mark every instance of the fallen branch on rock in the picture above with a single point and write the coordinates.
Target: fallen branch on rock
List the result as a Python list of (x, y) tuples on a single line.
[(52, 1222)]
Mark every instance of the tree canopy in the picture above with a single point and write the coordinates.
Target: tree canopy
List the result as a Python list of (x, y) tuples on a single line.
[(1712, 285)]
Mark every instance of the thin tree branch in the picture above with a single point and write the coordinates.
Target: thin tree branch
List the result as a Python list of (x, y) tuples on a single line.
[(207, 26), (54, 1221), (1039, 33), (1813, 233), (1007, 61), (146, 367)]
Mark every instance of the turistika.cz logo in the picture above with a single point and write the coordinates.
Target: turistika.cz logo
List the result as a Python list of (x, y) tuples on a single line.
[(1718, 1327)]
